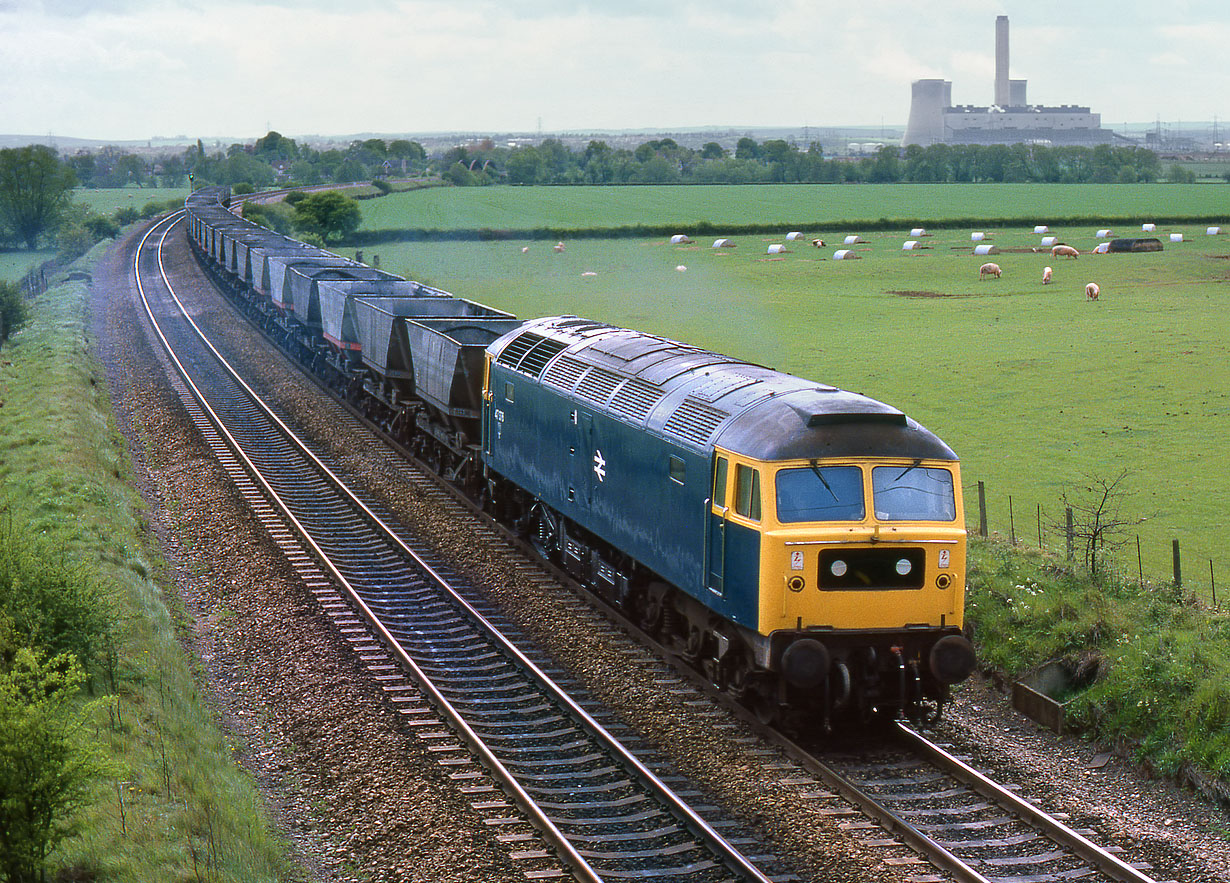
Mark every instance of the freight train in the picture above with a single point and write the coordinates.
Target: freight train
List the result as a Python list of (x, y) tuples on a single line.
[(801, 545)]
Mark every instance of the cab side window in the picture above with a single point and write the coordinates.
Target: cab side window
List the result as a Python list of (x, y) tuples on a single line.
[(747, 492), (719, 483)]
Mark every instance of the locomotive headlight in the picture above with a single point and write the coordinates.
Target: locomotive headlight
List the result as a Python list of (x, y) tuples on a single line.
[(838, 568), (904, 567)]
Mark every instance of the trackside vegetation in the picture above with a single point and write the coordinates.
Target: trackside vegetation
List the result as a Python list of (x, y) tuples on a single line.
[(111, 766)]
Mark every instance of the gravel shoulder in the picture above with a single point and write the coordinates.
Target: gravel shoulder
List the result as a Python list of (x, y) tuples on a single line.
[(360, 799)]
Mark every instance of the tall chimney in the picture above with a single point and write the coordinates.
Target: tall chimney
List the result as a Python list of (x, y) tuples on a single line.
[(1003, 95)]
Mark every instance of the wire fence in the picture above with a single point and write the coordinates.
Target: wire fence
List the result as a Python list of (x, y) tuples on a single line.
[(1083, 540)]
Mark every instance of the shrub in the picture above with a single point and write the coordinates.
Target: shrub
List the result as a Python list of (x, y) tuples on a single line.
[(46, 768), (14, 313), (126, 215), (383, 186), (51, 605), (242, 188), (102, 227)]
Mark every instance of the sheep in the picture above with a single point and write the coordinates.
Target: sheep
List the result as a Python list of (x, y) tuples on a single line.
[(1064, 251), (559, 247), (1046, 275), (524, 249), (1091, 291), (989, 270), (818, 243)]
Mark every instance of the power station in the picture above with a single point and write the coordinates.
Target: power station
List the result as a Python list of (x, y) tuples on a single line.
[(934, 119)]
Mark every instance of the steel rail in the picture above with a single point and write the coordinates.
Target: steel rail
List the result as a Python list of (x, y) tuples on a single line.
[(734, 859), (1086, 849)]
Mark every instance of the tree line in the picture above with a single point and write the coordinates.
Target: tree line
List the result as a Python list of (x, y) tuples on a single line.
[(35, 182)]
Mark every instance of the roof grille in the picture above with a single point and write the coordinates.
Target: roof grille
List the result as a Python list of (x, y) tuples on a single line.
[(530, 353), (695, 421), (598, 385), (517, 348), (635, 399), (539, 354), (565, 372)]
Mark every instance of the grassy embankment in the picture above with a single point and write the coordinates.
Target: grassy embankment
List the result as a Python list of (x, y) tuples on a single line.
[(1035, 388), (176, 806)]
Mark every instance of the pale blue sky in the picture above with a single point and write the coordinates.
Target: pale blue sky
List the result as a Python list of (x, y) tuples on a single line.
[(134, 69)]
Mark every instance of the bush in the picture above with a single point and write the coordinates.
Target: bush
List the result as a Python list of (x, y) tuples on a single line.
[(14, 313), (242, 188), (383, 186), (102, 227), (126, 215), (295, 197), (46, 768), (50, 604)]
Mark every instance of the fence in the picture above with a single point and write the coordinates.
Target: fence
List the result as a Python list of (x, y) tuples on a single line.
[(1071, 534)]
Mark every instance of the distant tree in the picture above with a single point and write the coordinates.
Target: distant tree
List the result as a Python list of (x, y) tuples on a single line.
[(34, 191), (330, 215), (349, 171), (275, 147), (747, 148), (712, 150)]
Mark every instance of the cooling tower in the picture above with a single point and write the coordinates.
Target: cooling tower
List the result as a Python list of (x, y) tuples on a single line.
[(928, 98), (1003, 90)]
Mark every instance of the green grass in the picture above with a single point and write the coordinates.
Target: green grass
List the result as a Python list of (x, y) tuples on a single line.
[(63, 470), (1035, 388), (519, 208), (106, 201), (15, 264), (1157, 668)]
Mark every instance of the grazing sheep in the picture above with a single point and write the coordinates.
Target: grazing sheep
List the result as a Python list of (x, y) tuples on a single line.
[(1046, 275), (680, 268), (1064, 251), (989, 270), (559, 247), (1092, 291), (524, 249), (818, 243)]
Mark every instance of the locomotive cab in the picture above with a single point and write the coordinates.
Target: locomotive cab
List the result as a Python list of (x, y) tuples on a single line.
[(857, 562)]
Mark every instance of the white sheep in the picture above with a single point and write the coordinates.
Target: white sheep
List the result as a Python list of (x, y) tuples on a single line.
[(1092, 291), (559, 247), (989, 269), (1046, 275), (1064, 251)]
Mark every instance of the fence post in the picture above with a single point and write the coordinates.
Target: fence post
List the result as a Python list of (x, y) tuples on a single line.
[(1140, 564), (1039, 525), (1068, 531), (1011, 523), (982, 509), (1178, 570), (1212, 582)]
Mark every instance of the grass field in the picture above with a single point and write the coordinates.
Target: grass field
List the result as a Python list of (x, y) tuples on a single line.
[(1035, 388), (106, 201), (15, 264), (465, 208)]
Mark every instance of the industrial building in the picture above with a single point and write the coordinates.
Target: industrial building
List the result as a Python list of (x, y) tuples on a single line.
[(934, 119)]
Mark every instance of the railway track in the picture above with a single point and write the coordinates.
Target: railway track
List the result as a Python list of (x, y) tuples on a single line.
[(445, 663), (963, 822)]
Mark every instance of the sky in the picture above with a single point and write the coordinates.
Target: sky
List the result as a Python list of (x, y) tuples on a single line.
[(139, 69)]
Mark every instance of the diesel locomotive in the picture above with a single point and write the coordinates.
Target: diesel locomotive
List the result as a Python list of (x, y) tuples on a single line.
[(802, 545)]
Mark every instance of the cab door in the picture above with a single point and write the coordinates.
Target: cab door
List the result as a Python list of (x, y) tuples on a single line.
[(716, 533)]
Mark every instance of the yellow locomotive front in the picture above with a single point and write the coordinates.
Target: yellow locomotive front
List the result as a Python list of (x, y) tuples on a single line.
[(860, 564)]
